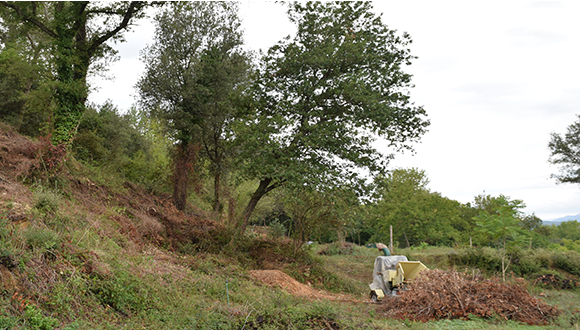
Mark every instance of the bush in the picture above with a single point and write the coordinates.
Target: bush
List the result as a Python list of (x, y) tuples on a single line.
[(6, 322), (569, 262), (123, 292), (47, 202), (485, 259), (40, 239), (37, 320), (526, 266), (276, 229), (337, 248)]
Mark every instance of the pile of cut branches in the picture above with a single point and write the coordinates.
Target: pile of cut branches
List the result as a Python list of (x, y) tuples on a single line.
[(438, 294)]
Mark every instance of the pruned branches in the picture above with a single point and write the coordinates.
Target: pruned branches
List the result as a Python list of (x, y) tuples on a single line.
[(438, 294)]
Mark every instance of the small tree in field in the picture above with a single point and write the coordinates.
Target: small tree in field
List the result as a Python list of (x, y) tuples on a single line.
[(502, 225)]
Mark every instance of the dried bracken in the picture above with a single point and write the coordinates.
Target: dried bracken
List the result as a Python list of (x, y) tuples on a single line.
[(438, 294)]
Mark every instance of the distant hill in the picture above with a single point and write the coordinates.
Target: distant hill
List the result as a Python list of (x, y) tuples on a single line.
[(562, 219)]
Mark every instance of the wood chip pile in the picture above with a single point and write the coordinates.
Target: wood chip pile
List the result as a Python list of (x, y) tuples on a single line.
[(438, 294)]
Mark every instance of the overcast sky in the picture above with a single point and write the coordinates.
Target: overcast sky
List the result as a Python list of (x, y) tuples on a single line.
[(495, 77)]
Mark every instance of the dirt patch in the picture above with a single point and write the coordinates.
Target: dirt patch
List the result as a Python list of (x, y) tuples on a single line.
[(277, 278), (16, 155), (438, 294)]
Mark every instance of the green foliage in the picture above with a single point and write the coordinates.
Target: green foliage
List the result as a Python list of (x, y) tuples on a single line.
[(315, 214), (123, 292), (569, 261), (195, 72), (530, 222), (25, 97), (569, 230), (486, 259), (337, 248), (524, 262), (7, 322), (565, 152), (130, 144), (276, 229), (41, 240), (73, 47), (501, 223), (36, 319), (47, 202), (322, 98), (416, 214)]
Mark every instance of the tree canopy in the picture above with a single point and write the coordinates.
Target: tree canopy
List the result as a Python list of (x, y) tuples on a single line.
[(565, 152), (324, 96), (194, 70), (416, 214), (78, 32)]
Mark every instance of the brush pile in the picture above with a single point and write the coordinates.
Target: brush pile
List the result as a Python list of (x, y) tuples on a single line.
[(438, 294)]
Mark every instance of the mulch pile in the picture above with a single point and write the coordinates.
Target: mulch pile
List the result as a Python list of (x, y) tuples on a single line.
[(438, 294), (277, 278)]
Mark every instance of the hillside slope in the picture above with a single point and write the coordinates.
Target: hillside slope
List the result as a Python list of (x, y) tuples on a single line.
[(81, 249)]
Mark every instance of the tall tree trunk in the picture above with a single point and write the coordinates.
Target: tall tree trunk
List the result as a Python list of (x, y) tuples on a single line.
[(216, 193), (72, 64), (184, 161)]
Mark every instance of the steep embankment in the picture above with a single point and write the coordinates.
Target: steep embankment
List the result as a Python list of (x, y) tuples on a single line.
[(80, 248)]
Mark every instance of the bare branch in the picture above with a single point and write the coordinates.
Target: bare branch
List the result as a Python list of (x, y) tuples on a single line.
[(133, 8)]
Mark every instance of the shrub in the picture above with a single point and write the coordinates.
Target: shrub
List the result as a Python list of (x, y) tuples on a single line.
[(36, 320), (276, 229), (40, 239), (47, 202), (123, 292), (485, 259), (569, 262), (526, 265), (337, 248), (7, 322)]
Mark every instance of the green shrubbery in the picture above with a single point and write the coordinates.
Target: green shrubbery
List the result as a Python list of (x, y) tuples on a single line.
[(523, 262), (123, 292), (337, 248), (38, 321), (569, 262), (130, 145)]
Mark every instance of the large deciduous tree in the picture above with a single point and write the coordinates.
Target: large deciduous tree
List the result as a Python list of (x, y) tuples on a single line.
[(78, 32), (565, 152), (194, 69), (324, 95)]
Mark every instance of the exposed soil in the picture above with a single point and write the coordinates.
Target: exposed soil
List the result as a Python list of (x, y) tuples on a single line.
[(277, 278)]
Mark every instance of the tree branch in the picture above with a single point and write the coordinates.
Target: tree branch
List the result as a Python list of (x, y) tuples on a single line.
[(29, 18), (79, 14), (133, 7)]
